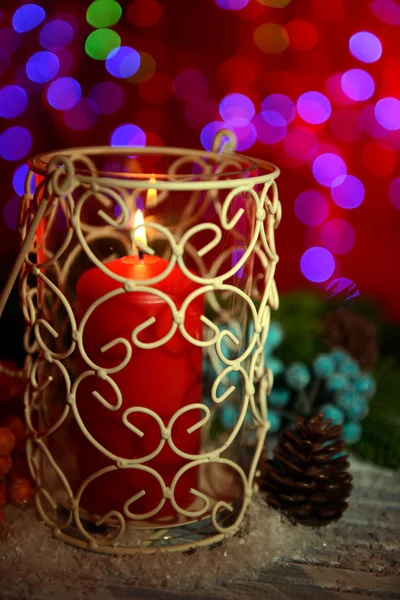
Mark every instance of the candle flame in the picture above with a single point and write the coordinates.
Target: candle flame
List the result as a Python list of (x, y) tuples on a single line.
[(140, 232), (151, 197)]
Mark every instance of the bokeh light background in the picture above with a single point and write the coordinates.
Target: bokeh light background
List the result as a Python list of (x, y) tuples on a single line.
[(312, 85)]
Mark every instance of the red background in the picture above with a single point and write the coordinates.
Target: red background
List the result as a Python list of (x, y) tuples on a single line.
[(199, 34)]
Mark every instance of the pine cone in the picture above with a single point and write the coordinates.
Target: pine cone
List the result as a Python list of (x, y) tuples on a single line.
[(354, 333), (305, 479)]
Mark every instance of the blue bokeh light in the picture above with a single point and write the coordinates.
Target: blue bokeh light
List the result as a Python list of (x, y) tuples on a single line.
[(123, 62), (357, 84), (314, 108), (15, 143), (271, 126), (327, 168), (208, 133), (311, 207), (13, 101), (128, 135), (236, 106), (365, 46), (387, 113), (42, 67), (232, 4), (64, 93), (281, 104), (317, 264), (108, 97), (28, 17), (18, 179), (56, 35), (347, 191)]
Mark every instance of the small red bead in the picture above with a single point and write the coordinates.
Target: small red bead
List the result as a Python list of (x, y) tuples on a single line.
[(7, 441), (20, 491)]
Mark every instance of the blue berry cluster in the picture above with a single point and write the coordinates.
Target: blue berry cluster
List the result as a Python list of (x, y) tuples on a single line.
[(333, 385), (350, 390)]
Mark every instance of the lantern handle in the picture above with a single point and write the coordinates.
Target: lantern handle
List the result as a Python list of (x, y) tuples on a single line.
[(224, 142), (6, 291)]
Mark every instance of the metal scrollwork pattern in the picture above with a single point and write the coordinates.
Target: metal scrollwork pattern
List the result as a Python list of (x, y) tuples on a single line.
[(212, 220)]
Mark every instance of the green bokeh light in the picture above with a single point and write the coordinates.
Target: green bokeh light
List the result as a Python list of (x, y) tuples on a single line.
[(103, 13), (100, 43)]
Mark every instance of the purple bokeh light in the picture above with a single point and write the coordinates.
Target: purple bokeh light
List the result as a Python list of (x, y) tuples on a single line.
[(387, 113), (10, 212), (365, 46), (128, 135), (357, 84), (64, 93), (317, 264), (15, 143), (232, 4), (338, 236), (246, 133), (108, 97), (311, 207), (394, 192), (13, 101), (281, 104), (237, 255), (56, 35), (270, 126), (82, 116), (314, 108), (342, 285), (236, 105), (327, 168), (190, 84), (28, 17), (387, 11), (123, 62), (348, 191)]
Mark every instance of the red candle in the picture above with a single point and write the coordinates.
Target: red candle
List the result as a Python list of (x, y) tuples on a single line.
[(162, 379)]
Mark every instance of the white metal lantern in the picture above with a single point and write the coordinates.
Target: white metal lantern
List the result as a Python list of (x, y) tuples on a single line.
[(146, 282)]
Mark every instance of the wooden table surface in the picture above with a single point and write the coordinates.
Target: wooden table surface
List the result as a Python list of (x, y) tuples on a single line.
[(357, 559)]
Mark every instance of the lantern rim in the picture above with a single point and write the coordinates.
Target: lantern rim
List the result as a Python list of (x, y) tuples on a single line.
[(246, 171)]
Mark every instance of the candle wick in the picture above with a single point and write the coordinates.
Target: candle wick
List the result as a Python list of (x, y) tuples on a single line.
[(141, 254)]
